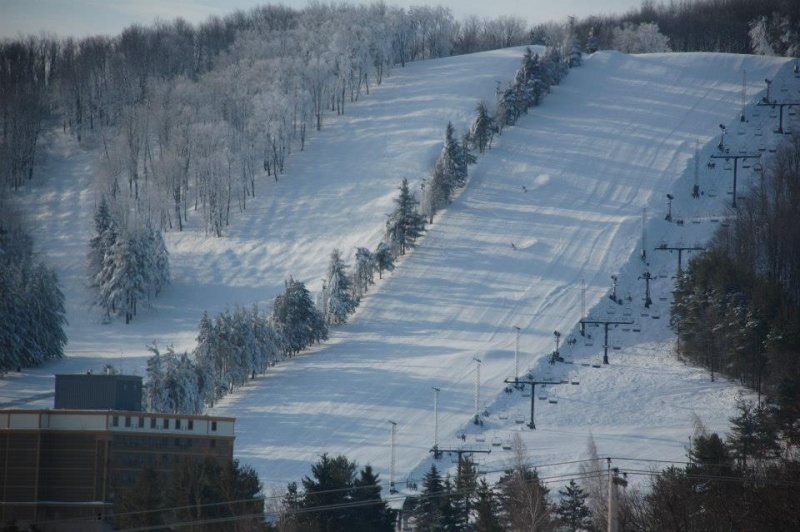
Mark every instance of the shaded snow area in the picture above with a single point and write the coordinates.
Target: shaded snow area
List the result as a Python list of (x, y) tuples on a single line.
[(579, 187)]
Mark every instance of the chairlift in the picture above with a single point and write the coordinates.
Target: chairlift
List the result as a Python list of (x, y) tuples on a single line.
[(542, 393), (585, 364), (553, 399), (616, 346), (745, 164), (568, 359), (574, 379), (757, 167), (507, 445), (656, 316), (519, 419), (637, 328), (526, 392), (740, 131), (695, 220), (645, 314), (758, 132), (596, 365), (480, 437), (503, 415), (497, 441)]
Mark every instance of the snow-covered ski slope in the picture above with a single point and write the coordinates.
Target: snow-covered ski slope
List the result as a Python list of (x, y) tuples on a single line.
[(613, 139)]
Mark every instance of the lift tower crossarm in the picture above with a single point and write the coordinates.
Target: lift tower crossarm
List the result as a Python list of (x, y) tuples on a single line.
[(605, 323), (680, 250), (736, 167), (437, 453)]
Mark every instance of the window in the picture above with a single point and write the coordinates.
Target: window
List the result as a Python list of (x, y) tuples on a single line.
[(127, 421), (191, 424), (177, 423), (152, 422), (166, 423), (115, 421), (214, 426)]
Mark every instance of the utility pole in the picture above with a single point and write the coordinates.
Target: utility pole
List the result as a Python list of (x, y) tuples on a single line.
[(696, 186), (736, 158), (613, 499), (680, 250), (613, 296), (533, 383), (605, 323), (391, 470)]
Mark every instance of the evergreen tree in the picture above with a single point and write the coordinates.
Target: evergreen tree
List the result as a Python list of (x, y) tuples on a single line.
[(753, 433), (371, 514), (297, 319), (404, 224), (429, 510), (138, 505), (483, 128), (363, 273), (329, 491), (338, 299), (384, 259), (486, 509), (464, 495), (572, 509)]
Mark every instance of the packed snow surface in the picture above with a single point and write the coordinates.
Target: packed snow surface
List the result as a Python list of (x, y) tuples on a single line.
[(578, 187)]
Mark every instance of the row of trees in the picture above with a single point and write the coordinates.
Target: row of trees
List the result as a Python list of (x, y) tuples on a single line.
[(733, 26), (211, 494), (746, 481), (31, 302), (333, 498), (736, 309)]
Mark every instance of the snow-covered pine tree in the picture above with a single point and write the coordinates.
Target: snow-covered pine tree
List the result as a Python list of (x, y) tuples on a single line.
[(363, 272), (483, 128), (297, 318), (339, 300), (384, 258), (405, 223)]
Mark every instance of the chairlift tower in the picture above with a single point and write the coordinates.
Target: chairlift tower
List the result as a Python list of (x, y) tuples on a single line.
[(647, 278), (477, 419), (605, 324), (680, 250), (727, 157), (517, 382), (767, 102)]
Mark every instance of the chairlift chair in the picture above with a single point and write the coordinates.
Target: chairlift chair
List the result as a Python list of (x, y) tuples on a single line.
[(503, 415), (574, 379), (553, 399), (480, 437), (497, 441), (542, 393), (519, 419), (507, 445)]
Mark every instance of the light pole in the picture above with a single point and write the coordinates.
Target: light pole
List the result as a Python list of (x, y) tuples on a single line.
[(391, 470), (516, 355), (436, 453), (477, 391), (670, 197)]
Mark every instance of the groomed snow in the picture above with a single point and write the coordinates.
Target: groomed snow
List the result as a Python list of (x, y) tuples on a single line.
[(614, 138)]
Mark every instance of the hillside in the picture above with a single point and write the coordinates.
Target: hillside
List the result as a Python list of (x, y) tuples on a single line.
[(615, 138)]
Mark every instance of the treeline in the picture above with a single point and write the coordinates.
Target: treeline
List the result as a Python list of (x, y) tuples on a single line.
[(334, 498), (212, 494), (32, 311), (736, 309), (734, 26), (746, 481)]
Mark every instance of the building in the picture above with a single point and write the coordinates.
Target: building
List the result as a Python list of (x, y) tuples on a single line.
[(62, 469), (99, 392)]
